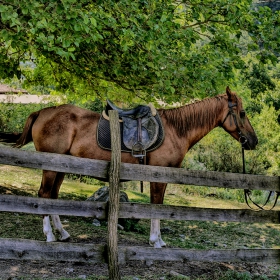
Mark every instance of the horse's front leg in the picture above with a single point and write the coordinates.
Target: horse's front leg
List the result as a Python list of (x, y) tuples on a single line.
[(47, 229), (155, 235), (157, 191)]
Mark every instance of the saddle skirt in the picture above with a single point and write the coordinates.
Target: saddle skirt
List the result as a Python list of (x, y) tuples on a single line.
[(141, 129)]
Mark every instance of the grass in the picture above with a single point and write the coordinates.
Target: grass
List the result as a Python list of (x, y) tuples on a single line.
[(234, 275), (177, 234)]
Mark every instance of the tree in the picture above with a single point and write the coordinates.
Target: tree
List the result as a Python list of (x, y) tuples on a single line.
[(151, 49), (258, 79)]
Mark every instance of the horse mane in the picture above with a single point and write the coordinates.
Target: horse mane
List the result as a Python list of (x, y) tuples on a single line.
[(202, 114)]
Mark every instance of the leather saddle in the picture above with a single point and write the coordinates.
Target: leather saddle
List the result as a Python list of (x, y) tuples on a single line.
[(140, 111), (141, 129)]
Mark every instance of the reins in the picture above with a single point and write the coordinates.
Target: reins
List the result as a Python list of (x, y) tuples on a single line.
[(247, 192), (243, 140)]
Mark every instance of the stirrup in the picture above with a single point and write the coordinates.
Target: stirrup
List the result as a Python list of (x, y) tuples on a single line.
[(138, 150)]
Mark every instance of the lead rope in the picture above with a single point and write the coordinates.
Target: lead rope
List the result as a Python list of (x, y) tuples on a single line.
[(247, 192)]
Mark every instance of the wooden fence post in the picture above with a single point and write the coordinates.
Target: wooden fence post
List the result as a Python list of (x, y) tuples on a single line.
[(114, 194)]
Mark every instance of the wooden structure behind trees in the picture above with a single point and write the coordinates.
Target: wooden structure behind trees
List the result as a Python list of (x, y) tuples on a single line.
[(114, 172)]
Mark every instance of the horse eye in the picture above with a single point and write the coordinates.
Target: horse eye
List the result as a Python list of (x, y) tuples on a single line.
[(242, 114)]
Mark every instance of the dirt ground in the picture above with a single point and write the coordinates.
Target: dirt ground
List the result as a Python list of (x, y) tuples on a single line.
[(13, 270)]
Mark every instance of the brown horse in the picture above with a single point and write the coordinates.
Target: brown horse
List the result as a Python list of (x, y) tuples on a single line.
[(68, 129)]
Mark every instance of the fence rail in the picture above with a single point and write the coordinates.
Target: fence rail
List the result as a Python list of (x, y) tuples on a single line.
[(20, 249), (99, 210), (128, 172)]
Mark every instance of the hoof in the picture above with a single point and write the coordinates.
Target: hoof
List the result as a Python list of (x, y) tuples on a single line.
[(162, 243), (65, 239), (51, 238), (155, 244), (65, 236)]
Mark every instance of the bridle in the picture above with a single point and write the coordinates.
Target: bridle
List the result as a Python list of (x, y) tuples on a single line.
[(243, 140)]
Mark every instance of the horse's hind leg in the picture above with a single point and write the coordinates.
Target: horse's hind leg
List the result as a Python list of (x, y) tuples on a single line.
[(50, 185), (64, 235), (47, 183), (157, 194)]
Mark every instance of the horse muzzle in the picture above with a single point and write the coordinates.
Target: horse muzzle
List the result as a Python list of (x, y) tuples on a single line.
[(249, 142)]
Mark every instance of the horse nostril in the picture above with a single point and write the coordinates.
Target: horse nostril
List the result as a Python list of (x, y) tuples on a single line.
[(257, 141)]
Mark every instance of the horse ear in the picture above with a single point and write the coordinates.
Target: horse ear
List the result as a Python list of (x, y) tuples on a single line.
[(228, 91)]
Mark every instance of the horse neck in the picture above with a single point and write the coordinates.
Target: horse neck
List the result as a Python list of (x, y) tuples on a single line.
[(194, 121)]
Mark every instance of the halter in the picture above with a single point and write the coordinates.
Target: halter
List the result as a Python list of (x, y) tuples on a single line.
[(243, 140)]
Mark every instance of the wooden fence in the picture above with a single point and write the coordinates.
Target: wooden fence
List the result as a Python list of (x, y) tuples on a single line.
[(114, 172)]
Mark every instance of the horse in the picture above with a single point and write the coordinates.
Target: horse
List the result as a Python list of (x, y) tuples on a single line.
[(68, 129)]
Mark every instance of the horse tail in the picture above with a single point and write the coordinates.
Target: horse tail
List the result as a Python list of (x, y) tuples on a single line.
[(26, 135)]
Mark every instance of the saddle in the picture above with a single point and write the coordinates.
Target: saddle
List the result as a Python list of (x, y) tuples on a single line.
[(141, 129)]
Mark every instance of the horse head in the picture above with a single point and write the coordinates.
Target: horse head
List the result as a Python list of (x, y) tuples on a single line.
[(236, 122)]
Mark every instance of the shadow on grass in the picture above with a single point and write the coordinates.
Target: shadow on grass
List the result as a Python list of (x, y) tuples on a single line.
[(15, 191), (24, 192)]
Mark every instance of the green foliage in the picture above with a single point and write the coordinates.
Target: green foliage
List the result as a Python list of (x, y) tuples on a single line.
[(13, 116), (258, 79), (267, 128), (125, 49), (96, 105)]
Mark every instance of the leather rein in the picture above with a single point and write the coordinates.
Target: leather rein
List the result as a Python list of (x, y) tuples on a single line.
[(243, 140)]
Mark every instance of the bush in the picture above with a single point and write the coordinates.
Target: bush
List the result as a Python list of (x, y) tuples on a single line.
[(13, 116)]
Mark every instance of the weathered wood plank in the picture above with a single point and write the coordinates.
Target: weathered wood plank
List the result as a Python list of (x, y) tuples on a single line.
[(169, 212), (21, 249), (234, 255), (41, 206), (114, 197), (54, 162), (99, 169), (199, 178)]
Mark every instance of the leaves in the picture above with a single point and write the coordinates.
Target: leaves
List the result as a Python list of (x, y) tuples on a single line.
[(151, 49)]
